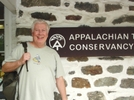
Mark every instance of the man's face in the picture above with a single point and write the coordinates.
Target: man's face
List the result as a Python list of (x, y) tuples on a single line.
[(40, 33)]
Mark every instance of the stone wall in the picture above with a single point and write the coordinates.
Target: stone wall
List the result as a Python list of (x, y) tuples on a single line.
[(87, 78)]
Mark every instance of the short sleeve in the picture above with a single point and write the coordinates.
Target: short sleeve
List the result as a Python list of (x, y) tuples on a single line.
[(14, 55), (59, 66)]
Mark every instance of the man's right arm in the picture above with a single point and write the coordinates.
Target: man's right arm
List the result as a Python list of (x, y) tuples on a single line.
[(11, 66)]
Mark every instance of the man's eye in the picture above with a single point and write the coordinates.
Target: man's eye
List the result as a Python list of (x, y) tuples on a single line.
[(36, 30)]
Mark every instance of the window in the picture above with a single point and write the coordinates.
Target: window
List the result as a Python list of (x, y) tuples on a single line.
[(1, 33), (1, 36)]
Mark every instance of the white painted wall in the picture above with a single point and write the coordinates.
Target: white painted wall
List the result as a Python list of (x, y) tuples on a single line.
[(10, 31)]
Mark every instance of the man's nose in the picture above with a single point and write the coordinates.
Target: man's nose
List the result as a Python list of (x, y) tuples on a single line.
[(40, 31)]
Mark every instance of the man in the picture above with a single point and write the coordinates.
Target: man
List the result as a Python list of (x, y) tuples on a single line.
[(44, 65)]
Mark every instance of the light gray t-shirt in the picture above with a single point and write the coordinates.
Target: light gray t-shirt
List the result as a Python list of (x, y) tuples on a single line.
[(44, 66)]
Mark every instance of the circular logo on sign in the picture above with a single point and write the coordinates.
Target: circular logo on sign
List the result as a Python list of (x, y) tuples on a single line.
[(57, 41)]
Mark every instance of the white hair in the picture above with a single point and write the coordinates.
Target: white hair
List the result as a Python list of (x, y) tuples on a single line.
[(40, 21)]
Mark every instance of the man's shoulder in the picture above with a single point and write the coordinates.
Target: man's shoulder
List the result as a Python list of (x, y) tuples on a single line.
[(51, 49)]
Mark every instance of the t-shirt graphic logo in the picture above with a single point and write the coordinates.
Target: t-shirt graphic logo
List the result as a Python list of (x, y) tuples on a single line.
[(57, 41), (36, 59)]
